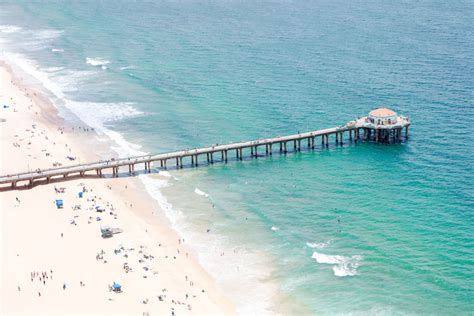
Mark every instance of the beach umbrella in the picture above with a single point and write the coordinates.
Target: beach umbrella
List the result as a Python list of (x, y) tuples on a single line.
[(116, 286), (59, 203)]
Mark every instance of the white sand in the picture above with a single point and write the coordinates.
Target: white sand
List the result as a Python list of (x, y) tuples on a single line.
[(31, 232)]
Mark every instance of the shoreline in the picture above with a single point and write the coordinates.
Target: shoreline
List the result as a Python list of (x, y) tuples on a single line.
[(360, 228), (128, 193)]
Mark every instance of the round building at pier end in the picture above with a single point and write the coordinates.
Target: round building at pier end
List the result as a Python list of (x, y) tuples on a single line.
[(383, 116), (383, 125)]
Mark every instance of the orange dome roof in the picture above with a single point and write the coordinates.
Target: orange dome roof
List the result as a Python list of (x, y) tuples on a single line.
[(382, 112)]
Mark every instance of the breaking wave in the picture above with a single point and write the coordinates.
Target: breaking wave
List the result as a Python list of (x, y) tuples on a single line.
[(97, 61), (95, 114), (342, 266), (199, 192), (318, 245), (10, 29)]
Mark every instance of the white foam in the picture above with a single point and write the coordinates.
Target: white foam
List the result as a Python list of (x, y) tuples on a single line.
[(34, 40), (124, 148), (15, 37), (57, 50), (33, 69), (318, 245), (52, 70), (47, 34), (94, 114), (97, 61), (10, 29), (342, 266), (165, 174), (199, 192), (275, 228), (153, 186), (127, 67), (56, 80), (97, 113), (71, 80), (238, 273)]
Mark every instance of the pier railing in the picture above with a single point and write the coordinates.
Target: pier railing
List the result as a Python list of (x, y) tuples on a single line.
[(353, 129)]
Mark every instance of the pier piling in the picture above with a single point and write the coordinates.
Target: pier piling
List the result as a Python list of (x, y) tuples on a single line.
[(381, 126)]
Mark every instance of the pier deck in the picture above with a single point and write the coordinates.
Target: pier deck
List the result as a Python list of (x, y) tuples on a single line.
[(352, 128)]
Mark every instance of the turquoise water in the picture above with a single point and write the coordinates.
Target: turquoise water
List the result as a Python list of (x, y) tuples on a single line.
[(362, 229)]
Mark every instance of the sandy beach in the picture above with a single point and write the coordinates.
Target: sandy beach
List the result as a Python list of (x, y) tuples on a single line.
[(54, 260)]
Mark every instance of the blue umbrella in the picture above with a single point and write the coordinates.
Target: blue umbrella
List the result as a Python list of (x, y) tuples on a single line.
[(59, 203)]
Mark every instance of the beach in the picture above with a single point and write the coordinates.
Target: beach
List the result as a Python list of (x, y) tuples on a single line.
[(54, 260), (353, 228)]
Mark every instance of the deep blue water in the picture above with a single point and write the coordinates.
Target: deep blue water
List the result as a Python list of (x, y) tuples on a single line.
[(363, 229)]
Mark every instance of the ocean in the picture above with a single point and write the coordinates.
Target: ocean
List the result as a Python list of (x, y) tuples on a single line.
[(358, 229)]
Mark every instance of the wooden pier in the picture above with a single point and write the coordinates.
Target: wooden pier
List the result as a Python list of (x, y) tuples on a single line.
[(376, 131)]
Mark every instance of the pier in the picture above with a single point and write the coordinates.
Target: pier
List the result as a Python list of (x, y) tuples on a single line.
[(380, 126)]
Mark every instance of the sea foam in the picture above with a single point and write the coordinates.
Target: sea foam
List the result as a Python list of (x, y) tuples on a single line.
[(153, 186), (342, 266), (318, 245), (10, 29), (46, 34), (94, 114), (165, 174), (236, 273), (33, 69), (97, 61), (36, 40), (199, 192), (17, 38)]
